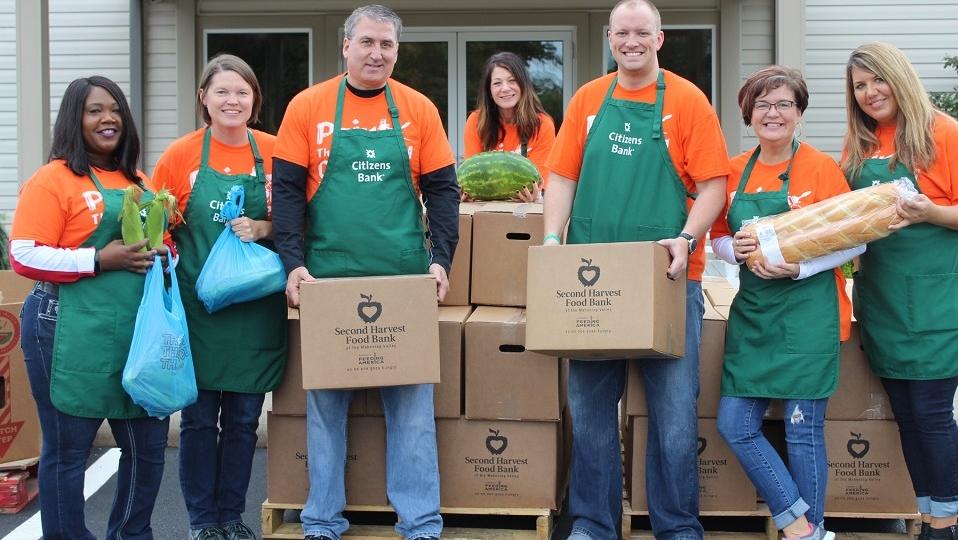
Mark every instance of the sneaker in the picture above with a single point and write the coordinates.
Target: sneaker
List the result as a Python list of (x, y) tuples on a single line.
[(238, 531), (317, 537), (209, 533), (925, 531), (816, 533)]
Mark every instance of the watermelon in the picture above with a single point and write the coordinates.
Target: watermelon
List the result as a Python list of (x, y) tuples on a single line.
[(496, 176)]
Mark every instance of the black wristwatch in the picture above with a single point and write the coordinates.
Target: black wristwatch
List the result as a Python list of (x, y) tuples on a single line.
[(693, 241), (96, 261)]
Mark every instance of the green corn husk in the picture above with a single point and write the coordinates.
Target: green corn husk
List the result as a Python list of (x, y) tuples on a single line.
[(131, 225)]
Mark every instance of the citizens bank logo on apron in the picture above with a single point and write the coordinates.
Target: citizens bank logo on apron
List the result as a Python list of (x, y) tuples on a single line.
[(623, 144), (370, 171)]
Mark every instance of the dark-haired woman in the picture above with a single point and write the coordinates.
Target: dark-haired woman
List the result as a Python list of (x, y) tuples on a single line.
[(78, 320), (218, 432), (509, 117), (787, 320)]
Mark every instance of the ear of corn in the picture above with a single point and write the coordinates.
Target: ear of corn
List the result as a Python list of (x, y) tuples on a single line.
[(162, 212), (131, 226)]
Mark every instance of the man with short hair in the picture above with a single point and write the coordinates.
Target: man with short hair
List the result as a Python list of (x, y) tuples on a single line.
[(634, 147), (331, 221)]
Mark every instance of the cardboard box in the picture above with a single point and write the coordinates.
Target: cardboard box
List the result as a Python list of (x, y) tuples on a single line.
[(14, 288), (503, 379), (287, 480), (723, 484), (498, 464), (447, 395), (19, 424), (604, 301), (711, 354), (860, 394), (719, 292), (866, 468), (369, 332), (502, 232), (289, 398), (459, 274)]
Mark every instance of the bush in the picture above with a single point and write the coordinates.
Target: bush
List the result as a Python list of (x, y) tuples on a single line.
[(947, 101)]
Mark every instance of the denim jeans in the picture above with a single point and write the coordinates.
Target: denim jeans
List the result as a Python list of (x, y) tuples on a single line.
[(67, 440), (217, 443), (672, 482), (924, 411), (412, 467), (799, 489)]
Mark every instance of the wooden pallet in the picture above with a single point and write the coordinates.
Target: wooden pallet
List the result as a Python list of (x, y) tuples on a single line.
[(912, 524), (274, 525)]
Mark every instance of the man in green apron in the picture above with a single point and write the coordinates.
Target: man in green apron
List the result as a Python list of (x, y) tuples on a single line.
[(349, 158), (633, 147)]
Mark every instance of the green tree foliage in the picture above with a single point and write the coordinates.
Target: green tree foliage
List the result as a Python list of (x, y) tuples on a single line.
[(948, 101)]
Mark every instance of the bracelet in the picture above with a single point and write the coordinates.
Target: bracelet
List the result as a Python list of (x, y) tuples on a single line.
[(552, 236)]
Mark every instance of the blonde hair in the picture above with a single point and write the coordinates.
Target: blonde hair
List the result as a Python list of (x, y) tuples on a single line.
[(914, 143)]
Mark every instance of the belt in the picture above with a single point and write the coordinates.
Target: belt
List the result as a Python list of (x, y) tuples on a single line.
[(47, 287)]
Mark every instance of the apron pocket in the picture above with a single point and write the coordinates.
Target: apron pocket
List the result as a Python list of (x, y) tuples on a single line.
[(92, 348), (932, 302), (652, 233), (330, 263), (414, 261), (580, 231), (804, 334)]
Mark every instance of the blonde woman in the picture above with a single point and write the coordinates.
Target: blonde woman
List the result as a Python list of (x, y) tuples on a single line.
[(907, 287)]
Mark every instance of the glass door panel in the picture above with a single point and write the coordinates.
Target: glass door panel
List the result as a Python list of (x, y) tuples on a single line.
[(424, 65)]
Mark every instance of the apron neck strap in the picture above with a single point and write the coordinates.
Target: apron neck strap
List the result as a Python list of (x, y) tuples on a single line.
[(101, 189), (659, 99), (393, 110), (784, 177)]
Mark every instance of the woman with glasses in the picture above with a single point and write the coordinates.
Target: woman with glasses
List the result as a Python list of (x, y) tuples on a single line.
[(787, 320), (907, 285)]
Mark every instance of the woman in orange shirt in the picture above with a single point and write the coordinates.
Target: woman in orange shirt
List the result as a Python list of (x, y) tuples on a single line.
[(787, 320), (239, 352), (77, 321), (906, 289), (509, 117)]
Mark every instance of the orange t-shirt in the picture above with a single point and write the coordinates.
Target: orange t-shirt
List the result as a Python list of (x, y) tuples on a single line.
[(814, 177), (940, 181), (56, 208), (689, 124), (177, 168), (305, 136), (537, 148)]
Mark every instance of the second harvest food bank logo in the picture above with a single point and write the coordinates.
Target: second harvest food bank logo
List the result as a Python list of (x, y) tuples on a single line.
[(367, 335), (587, 299)]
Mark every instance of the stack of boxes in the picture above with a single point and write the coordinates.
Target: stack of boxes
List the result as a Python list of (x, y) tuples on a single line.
[(497, 406)]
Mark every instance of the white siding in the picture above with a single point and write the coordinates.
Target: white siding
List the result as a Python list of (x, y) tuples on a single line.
[(757, 48), (8, 109), (159, 85), (89, 37), (923, 29)]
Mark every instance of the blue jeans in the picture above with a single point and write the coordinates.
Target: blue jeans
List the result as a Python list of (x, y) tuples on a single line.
[(672, 482), (217, 443), (929, 440), (799, 489), (412, 466), (67, 441)]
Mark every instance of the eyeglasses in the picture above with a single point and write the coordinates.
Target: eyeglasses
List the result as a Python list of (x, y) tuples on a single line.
[(780, 106)]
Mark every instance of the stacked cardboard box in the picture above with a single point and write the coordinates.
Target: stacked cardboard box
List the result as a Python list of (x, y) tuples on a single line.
[(867, 472), (19, 424)]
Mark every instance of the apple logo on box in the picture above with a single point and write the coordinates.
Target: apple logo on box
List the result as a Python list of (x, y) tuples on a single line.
[(368, 310), (588, 273), (495, 443), (857, 446)]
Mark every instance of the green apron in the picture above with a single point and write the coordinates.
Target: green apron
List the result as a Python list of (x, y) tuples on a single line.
[(95, 329), (365, 219), (906, 293), (241, 348), (628, 188), (783, 337)]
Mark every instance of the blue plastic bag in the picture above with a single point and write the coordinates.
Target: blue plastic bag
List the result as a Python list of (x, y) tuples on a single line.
[(236, 271), (159, 374)]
